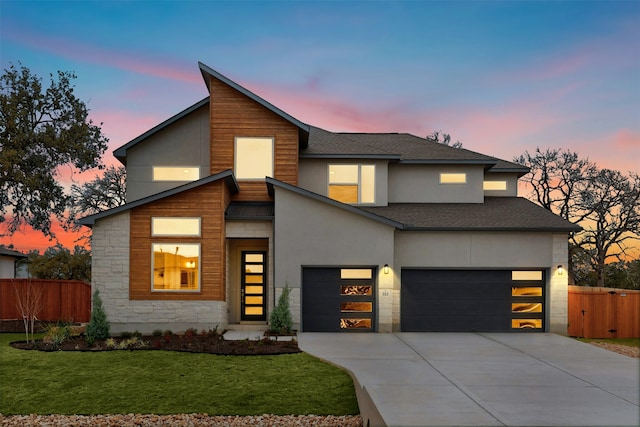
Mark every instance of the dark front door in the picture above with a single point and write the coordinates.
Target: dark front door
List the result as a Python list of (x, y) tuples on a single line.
[(253, 286)]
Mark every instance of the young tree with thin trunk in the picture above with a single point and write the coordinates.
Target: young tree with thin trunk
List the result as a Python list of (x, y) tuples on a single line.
[(29, 304)]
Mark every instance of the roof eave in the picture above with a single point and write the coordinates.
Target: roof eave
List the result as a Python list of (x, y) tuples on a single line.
[(506, 229), (393, 157), (120, 153), (271, 183), (226, 175), (208, 72)]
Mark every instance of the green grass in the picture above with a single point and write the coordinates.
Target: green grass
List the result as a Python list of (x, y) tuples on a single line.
[(632, 342), (163, 382)]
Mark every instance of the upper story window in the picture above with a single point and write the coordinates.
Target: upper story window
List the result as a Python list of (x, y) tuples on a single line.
[(172, 173), (253, 158), (494, 185), (353, 184), (167, 226), (453, 178)]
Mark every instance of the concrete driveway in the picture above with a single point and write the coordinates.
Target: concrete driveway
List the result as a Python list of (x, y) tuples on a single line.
[(483, 379)]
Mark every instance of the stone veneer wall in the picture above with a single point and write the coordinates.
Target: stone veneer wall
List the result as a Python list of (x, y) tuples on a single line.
[(558, 300), (110, 275)]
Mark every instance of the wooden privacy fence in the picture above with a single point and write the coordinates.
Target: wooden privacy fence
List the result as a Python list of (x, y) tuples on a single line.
[(62, 300), (603, 312)]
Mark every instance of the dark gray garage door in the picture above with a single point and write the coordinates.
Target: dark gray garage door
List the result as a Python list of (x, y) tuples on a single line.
[(338, 299), (472, 300)]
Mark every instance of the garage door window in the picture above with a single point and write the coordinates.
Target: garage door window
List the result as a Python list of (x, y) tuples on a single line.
[(527, 298)]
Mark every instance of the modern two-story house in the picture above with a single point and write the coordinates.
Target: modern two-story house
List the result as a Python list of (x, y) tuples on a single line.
[(233, 199)]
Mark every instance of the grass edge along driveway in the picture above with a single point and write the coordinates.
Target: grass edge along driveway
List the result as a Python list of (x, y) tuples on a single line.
[(164, 382)]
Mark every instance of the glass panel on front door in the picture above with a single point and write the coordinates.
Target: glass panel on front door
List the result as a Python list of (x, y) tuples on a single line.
[(253, 286)]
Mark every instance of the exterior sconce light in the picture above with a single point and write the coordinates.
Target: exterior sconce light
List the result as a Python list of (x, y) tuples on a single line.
[(560, 270), (191, 264), (386, 269)]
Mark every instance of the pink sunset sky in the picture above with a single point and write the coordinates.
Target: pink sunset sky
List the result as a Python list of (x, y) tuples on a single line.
[(501, 77)]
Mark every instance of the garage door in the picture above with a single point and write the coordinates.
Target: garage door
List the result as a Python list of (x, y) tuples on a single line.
[(472, 300), (338, 299)]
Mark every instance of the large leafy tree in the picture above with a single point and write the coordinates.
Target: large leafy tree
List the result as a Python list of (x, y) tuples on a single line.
[(102, 193), (41, 129), (60, 263), (604, 202)]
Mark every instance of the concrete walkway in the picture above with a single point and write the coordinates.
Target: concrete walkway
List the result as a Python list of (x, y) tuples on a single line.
[(483, 379)]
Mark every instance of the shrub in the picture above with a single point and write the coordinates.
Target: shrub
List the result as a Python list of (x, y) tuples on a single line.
[(280, 319), (157, 333), (56, 335), (98, 327), (125, 335)]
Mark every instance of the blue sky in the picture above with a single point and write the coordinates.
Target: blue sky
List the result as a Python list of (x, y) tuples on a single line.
[(501, 77)]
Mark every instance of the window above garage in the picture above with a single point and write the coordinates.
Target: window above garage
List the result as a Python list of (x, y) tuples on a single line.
[(352, 183)]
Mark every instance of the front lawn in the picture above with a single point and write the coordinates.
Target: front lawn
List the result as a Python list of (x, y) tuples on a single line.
[(164, 382), (631, 342)]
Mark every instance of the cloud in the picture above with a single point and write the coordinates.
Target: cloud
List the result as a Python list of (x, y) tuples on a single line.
[(626, 139), (82, 52)]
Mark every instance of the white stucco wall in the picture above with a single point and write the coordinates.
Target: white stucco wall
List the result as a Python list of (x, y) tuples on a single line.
[(308, 232), (110, 275)]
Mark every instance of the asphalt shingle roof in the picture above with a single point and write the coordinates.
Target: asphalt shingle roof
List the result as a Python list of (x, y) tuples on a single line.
[(495, 214)]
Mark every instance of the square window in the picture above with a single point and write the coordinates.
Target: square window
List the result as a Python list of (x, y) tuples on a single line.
[(175, 267), (253, 158), (352, 184)]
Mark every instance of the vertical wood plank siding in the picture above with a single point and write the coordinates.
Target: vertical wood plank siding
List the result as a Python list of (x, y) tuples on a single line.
[(235, 115), (208, 202)]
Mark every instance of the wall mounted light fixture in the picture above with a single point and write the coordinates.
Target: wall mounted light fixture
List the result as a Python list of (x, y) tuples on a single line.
[(560, 270), (386, 269)]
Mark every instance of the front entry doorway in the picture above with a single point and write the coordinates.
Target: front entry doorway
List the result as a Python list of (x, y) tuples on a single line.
[(253, 284)]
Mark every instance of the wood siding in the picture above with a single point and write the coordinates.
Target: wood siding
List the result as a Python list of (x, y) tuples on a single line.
[(603, 312), (235, 115), (208, 202)]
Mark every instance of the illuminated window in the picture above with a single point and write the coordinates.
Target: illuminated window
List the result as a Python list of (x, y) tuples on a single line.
[(453, 178), (175, 266), (356, 273), (355, 323), (175, 226), (352, 183), (526, 275), (526, 324), (166, 173), (494, 185), (253, 158)]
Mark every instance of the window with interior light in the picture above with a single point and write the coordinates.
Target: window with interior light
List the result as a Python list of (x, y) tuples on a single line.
[(253, 158), (354, 184), (174, 173), (453, 178), (494, 185), (167, 226), (175, 267)]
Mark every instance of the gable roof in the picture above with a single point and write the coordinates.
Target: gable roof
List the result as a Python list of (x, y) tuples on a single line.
[(495, 214), (208, 72), (271, 183), (227, 176), (121, 152)]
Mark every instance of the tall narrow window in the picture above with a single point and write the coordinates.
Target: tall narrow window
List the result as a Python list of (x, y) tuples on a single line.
[(352, 183), (253, 158)]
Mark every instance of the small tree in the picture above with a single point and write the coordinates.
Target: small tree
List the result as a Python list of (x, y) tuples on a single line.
[(29, 302), (98, 327), (280, 319)]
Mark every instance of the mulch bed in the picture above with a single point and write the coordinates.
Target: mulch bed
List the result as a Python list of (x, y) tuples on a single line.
[(204, 342)]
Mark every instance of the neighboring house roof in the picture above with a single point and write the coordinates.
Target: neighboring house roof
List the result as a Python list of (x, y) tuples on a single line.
[(495, 214), (121, 152), (210, 72), (227, 176), (11, 253), (271, 183)]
